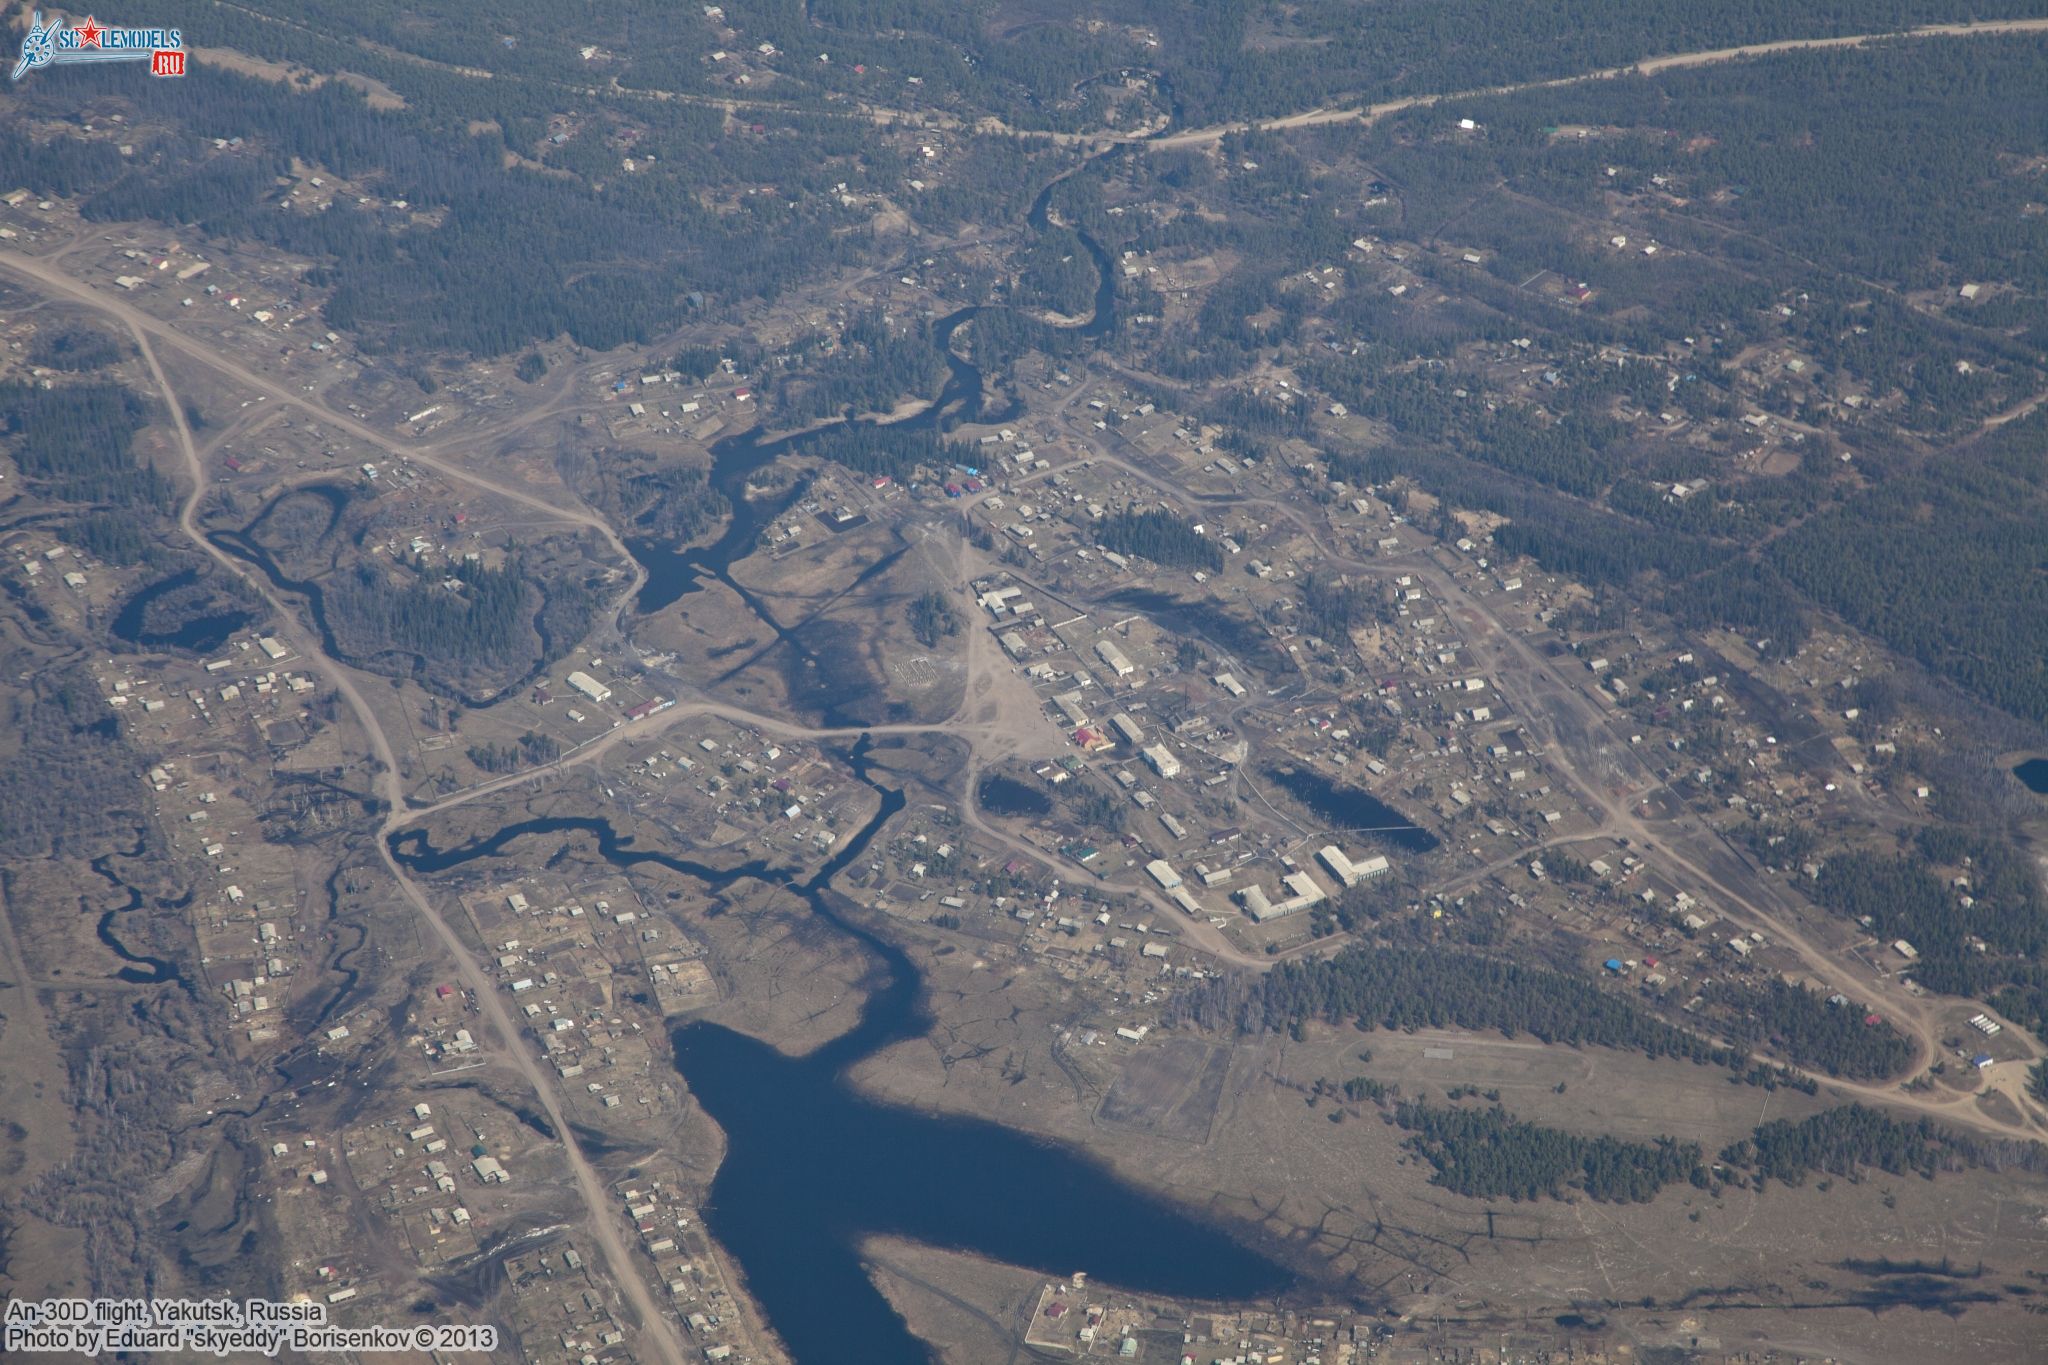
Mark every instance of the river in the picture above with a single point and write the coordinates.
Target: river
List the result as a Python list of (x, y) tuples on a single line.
[(201, 634), (813, 1167), (674, 573), (247, 547)]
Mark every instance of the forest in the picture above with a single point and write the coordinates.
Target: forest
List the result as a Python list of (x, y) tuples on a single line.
[(1779, 208), (659, 499), (871, 367), (1403, 985), (932, 618), (1842, 1141), (1400, 988), (484, 622), (1219, 60), (1490, 1154), (533, 748), (1332, 606), (1919, 895), (1805, 1030), (1161, 537), (873, 448), (1941, 565), (74, 444)]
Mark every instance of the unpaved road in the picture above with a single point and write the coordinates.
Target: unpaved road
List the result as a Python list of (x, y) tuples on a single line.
[(1611, 780), (1649, 66), (658, 1334), (883, 116), (1546, 698)]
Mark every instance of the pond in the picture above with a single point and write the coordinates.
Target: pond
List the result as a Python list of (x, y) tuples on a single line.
[(1353, 809)]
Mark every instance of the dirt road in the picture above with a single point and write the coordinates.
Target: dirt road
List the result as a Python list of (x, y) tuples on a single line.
[(1649, 66), (147, 328), (1610, 779), (658, 1334)]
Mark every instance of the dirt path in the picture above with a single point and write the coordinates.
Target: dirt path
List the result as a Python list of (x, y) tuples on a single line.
[(658, 1333), (1574, 731), (940, 121), (1649, 66), (147, 328)]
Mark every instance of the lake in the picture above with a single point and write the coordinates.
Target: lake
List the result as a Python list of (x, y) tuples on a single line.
[(2033, 772), (812, 1167)]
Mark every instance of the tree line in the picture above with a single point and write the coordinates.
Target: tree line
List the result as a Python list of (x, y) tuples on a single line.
[(1903, 897), (1161, 537), (1489, 1154)]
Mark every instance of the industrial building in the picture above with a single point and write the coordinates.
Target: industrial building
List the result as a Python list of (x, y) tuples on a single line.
[(589, 686), (1114, 659), (1262, 907), (1163, 873), (1161, 761), (1347, 872)]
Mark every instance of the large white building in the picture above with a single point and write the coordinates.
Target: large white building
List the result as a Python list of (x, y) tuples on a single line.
[(1163, 873), (589, 686), (1348, 872), (1161, 759), (1305, 893), (1114, 659)]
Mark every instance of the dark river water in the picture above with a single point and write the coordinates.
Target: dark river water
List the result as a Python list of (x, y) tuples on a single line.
[(142, 969), (812, 1167), (247, 546), (673, 573), (200, 634)]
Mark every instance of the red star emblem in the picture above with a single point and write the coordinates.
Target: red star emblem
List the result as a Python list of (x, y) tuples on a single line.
[(88, 32)]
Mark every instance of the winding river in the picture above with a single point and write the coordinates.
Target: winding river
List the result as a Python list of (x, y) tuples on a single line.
[(813, 1167), (673, 574)]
